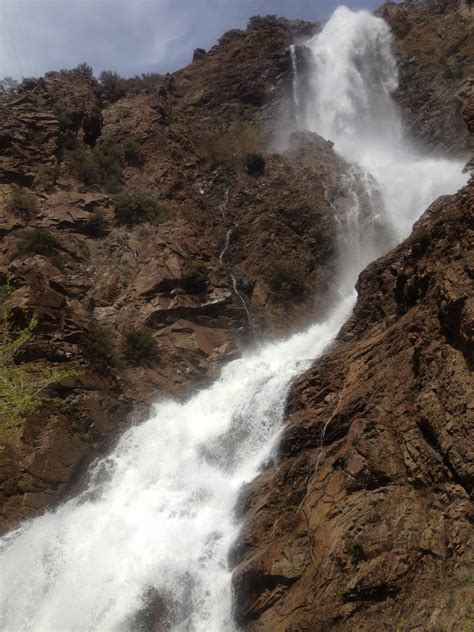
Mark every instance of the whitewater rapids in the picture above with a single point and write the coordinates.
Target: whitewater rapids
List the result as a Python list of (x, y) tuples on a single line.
[(157, 517)]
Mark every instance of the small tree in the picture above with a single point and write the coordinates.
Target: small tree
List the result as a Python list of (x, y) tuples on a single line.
[(36, 241), (113, 85), (24, 387), (22, 203), (140, 347), (135, 205)]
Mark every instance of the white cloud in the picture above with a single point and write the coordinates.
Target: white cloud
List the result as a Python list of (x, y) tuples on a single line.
[(130, 36)]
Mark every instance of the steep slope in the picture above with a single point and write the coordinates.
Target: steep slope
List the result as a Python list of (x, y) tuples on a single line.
[(238, 254), (369, 495), (434, 46), (365, 522)]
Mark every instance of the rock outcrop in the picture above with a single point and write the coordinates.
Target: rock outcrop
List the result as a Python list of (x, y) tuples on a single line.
[(434, 46), (239, 255), (365, 521)]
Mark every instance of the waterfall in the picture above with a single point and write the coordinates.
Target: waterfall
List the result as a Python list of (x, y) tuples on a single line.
[(294, 85), (349, 102), (154, 526)]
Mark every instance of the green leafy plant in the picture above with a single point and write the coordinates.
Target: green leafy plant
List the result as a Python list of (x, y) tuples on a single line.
[(101, 166), (115, 87), (36, 241), (22, 203), (24, 386), (135, 205), (140, 348)]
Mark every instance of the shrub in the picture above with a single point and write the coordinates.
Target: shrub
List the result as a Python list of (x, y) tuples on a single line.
[(195, 277), (255, 164), (47, 176), (23, 387), (287, 280), (84, 71), (113, 85), (134, 206), (132, 153), (96, 224), (101, 166), (97, 344), (231, 145), (36, 241), (261, 21), (140, 347), (22, 203)]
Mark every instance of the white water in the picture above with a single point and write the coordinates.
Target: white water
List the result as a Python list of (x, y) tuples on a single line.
[(158, 512), (350, 103)]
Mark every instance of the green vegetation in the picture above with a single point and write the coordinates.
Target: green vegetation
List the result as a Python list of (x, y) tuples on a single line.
[(231, 145), (97, 345), (47, 176), (135, 205), (287, 280), (261, 21), (255, 164), (132, 152), (101, 166), (96, 225), (140, 347), (22, 203), (36, 241), (114, 87), (24, 387)]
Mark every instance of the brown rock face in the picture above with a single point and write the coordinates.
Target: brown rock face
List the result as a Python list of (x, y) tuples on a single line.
[(365, 523), (434, 46), (239, 255)]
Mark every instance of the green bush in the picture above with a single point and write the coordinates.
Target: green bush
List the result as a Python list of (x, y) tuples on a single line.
[(101, 166), (132, 152), (140, 348), (96, 225), (23, 387), (287, 280), (114, 87), (97, 345), (36, 241), (255, 164), (231, 145), (134, 206), (22, 203)]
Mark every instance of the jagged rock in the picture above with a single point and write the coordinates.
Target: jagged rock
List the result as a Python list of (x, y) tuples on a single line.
[(381, 501)]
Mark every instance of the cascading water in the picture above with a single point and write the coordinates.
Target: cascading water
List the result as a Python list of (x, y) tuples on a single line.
[(349, 101), (156, 522)]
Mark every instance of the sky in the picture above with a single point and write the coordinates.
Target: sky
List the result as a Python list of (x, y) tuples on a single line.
[(130, 36)]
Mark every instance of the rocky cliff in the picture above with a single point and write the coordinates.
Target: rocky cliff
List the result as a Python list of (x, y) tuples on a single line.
[(142, 231), (365, 522), (142, 307)]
